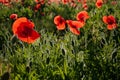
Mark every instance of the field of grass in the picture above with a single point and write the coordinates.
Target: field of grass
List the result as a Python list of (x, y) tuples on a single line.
[(60, 54)]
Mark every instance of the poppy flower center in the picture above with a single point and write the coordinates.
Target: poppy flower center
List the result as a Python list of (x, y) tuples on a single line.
[(99, 3), (81, 17), (110, 21), (24, 31), (60, 21)]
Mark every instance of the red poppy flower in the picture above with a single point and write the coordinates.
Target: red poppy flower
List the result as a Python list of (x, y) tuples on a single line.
[(73, 4), (84, 1), (74, 26), (36, 1), (1, 1), (23, 29), (13, 16), (40, 1), (65, 1), (37, 6), (99, 3), (110, 21), (79, 0), (60, 22), (85, 6), (82, 16), (114, 2), (5, 2)]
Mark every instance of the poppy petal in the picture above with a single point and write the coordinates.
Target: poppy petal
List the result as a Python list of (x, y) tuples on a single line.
[(76, 24), (61, 26), (13, 16), (73, 26), (58, 20), (18, 22), (75, 31), (65, 1), (105, 19), (110, 27)]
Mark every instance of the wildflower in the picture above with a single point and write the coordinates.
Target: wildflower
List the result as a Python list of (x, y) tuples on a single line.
[(54, 1), (82, 16), (73, 4), (79, 0), (110, 21), (114, 2), (1, 1), (60, 22), (99, 3), (40, 1), (84, 1), (36, 1), (74, 26), (65, 1), (85, 6), (5, 2), (13, 16), (37, 7), (23, 29)]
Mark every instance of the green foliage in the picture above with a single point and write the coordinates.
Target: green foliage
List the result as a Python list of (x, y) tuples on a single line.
[(60, 55)]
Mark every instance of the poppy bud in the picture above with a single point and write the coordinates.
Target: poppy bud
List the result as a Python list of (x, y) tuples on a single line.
[(85, 6), (37, 7), (114, 2), (13, 16)]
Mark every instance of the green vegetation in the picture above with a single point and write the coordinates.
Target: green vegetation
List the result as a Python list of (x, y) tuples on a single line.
[(60, 55)]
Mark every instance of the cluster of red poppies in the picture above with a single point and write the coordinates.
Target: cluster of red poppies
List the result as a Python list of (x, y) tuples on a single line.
[(72, 3), (23, 28), (73, 25), (81, 17)]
